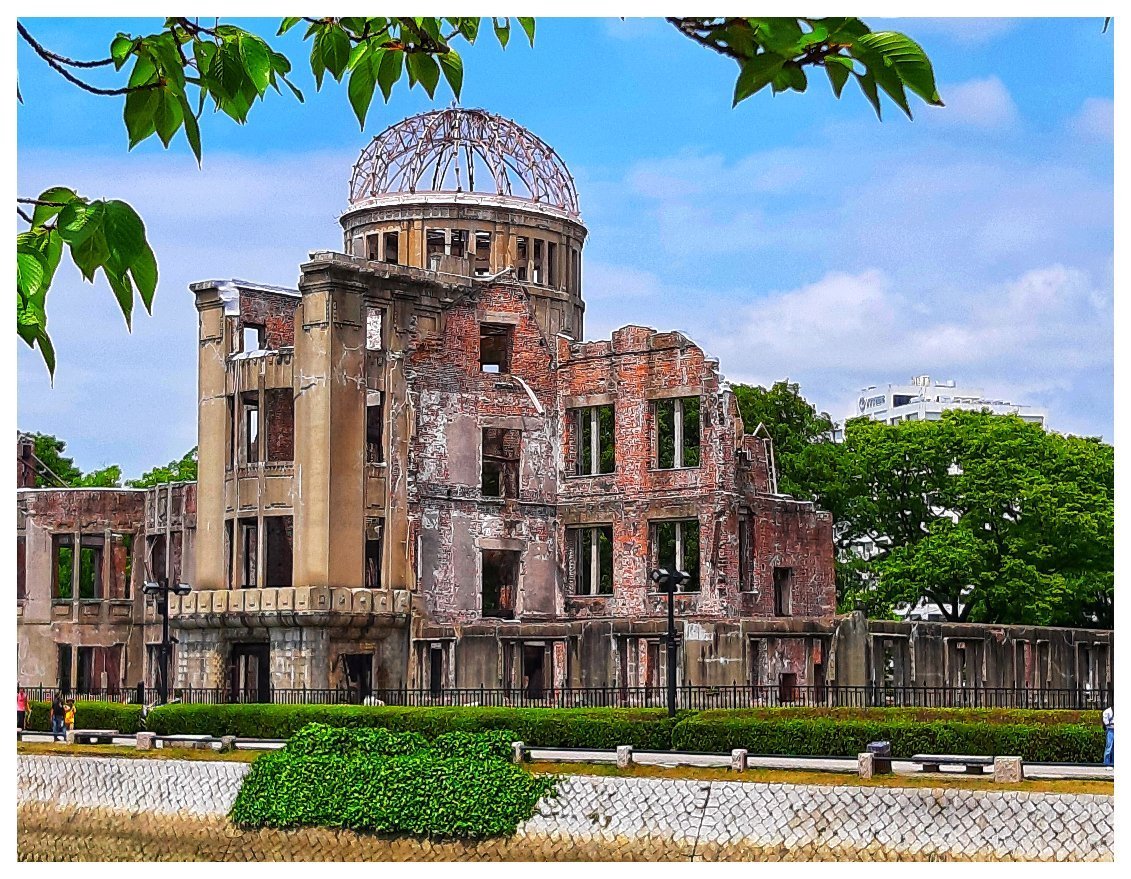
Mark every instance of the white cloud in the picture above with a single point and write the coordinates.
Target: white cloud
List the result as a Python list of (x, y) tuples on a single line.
[(977, 103), (1095, 120)]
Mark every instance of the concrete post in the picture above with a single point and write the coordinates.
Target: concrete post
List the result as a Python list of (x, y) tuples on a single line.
[(146, 741), (227, 743), (624, 756), (1008, 770), (70, 737), (738, 760), (864, 765), (519, 752)]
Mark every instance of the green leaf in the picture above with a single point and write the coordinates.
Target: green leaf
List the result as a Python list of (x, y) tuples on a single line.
[(909, 61), (334, 47), (120, 48), (144, 272), (168, 116), (141, 115), (867, 82), (756, 74), (91, 253), (256, 57), (123, 292), (192, 129), (425, 70), (143, 73), (31, 269), (392, 65), (782, 36), (287, 24), (528, 26), (502, 31), (452, 66), (362, 82), (292, 87), (838, 68), (59, 195), (79, 219), (125, 234), (46, 350)]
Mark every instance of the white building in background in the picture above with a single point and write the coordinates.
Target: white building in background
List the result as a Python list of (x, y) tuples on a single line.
[(925, 400)]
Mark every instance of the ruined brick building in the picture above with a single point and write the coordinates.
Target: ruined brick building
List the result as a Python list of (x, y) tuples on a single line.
[(413, 473)]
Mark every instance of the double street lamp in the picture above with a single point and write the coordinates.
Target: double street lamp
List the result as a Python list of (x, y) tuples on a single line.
[(160, 591), (668, 581)]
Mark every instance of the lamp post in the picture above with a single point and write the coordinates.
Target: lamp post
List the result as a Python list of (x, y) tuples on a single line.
[(160, 591), (668, 580)]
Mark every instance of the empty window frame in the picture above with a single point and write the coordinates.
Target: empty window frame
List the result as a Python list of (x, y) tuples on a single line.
[(522, 257), (21, 567), (677, 432), (482, 253), (392, 248), (783, 592), (745, 554), (91, 585), (121, 564), (231, 431), (592, 556), (254, 337), (502, 451), (374, 537), (62, 566), (458, 246), (595, 432), (757, 656), (63, 666), (536, 268), (500, 582), (249, 553), (249, 408), (495, 344), (280, 404), (435, 242), (279, 539), (374, 321), (229, 546), (552, 264), (575, 270), (675, 545), (374, 422), (1043, 666), (373, 247)]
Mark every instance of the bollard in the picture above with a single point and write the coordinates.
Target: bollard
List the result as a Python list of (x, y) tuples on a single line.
[(1008, 770), (624, 756), (738, 760), (70, 737), (227, 743), (865, 764), (146, 741), (518, 754)]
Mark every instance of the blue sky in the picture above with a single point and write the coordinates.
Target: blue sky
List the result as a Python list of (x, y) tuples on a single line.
[(793, 236)]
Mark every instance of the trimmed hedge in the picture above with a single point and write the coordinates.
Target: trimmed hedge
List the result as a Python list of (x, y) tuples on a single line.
[(331, 780), (126, 719), (722, 731), (647, 729)]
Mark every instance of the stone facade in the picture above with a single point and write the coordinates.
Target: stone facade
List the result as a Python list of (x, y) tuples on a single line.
[(105, 809)]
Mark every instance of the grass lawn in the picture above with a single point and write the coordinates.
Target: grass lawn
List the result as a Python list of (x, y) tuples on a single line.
[(704, 773)]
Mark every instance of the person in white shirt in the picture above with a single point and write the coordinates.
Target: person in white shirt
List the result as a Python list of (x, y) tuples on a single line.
[(1109, 726)]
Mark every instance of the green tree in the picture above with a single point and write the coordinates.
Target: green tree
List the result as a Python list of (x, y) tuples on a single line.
[(174, 73), (989, 516), (55, 470), (794, 425), (183, 470)]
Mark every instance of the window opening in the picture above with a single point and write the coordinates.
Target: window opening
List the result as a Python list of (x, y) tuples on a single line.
[(21, 567), (502, 449), (787, 686), (537, 262), (552, 263), (90, 568), (495, 343), (374, 535), (63, 667), (675, 544), (249, 542), (254, 336), (392, 254), (249, 672), (374, 318), (121, 564), (522, 257), (372, 247), (63, 556), (435, 669), (677, 432), (595, 430), (592, 550), (482, 253), (359, 674), (500, 582), (374, 422), (533, 670), (279, 536), (783, 591), (459, 243), (250, 403), (745, 554)]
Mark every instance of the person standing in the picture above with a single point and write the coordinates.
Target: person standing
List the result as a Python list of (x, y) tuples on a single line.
[(69, 715), (21, 707), (1109, 728), (57, 714)]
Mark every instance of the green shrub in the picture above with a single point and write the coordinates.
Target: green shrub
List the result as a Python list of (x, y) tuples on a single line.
[(330, 780), (125, 719), (722, 731), (644, 728)]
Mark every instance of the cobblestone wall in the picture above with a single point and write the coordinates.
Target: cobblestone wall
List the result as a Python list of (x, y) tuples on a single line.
[(93, 808)]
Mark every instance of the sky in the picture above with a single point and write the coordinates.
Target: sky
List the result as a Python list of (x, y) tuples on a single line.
[(794, 236)]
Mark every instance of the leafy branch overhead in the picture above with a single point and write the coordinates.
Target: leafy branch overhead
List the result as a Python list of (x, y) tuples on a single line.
[(167, 79), (774, 52)]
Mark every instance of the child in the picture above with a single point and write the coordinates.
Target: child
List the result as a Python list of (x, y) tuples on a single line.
[(69, 715)]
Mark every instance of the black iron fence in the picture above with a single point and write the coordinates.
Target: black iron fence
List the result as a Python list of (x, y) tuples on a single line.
[(689, 697)]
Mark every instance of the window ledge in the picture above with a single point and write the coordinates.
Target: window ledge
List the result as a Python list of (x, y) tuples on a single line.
[(589, 475), (593, 595), (678, 592), (652, 469)]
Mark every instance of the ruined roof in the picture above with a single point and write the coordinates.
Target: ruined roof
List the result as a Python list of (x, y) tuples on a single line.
[(463, 151)]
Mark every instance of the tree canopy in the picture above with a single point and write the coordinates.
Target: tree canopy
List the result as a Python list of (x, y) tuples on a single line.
[(183, 470), (55, 470), (167, 79)]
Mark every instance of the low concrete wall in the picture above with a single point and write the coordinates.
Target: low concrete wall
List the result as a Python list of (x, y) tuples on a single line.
[(105, 809)]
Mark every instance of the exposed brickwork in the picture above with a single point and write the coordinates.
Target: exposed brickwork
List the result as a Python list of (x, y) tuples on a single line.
[(273, 311), (279, 403)]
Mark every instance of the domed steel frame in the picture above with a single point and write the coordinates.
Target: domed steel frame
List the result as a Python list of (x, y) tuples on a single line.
[(439, 151)]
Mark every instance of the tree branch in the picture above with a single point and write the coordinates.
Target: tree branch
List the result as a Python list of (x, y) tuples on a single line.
[(49, 57)]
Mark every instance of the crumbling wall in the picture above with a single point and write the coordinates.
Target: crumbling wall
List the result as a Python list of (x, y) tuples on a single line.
[(275, 312)]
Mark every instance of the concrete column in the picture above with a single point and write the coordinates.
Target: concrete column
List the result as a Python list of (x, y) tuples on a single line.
[(519, 752), (624, 756), (864, 765), (1008, 770), (738, 762), (329, 370), (146, 741)]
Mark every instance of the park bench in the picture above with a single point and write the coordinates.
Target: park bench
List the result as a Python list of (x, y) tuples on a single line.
[(91, 736), (187, 741), (935, 762)]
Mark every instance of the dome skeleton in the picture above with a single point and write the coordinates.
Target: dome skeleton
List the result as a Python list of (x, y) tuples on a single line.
[(429, 147)]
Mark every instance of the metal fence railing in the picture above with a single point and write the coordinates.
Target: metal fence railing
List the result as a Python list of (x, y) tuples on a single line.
[(689, 697)]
